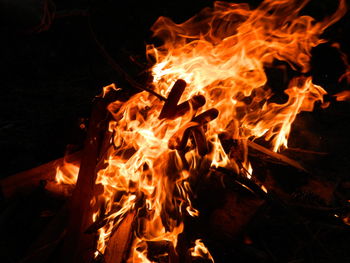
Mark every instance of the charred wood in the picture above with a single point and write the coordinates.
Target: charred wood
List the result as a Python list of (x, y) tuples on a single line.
[(79, 246), (25, 182), (119, 244)]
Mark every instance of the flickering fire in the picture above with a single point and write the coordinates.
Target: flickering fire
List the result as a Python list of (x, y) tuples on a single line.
[(67, 173), (212, 69)]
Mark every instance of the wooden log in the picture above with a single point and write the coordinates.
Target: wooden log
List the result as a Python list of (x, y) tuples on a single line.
[(162, 251), (58, 190), (200, 140), (206, 116), (179, 140), (171, 109), (119, 244), (277, 156), (26, 181), (170, 105), (78, 245), (195, 103)]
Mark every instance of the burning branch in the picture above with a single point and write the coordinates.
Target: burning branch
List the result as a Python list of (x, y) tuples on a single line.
[(276, 156)]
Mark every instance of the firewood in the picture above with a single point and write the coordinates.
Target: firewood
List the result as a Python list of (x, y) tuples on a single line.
[(200, 140), (119, 244), (276, 156), (290, 149), (206, 116), (195, 103), (161, 251), (57, 190), (230, 178), (27, 181), (228, 202), (170, 105), (179, 140), (79, 246)]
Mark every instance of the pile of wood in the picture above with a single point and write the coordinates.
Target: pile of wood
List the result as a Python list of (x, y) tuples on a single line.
[(234, 200)]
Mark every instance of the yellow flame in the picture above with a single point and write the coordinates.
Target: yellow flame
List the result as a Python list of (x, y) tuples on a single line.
[(200, 250), (67, 173)]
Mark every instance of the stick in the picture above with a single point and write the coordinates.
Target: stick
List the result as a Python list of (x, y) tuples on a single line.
[(171, 109), (170, 105), (79, 246), (119, 244), (305, 151), (206, 116), (276, 156)]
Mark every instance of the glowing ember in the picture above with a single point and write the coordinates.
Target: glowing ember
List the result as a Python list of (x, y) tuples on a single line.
[(221, 53)]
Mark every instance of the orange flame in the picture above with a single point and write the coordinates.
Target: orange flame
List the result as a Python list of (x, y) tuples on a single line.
[(221, 53), (343, 95), (200, 250), (67, 173)]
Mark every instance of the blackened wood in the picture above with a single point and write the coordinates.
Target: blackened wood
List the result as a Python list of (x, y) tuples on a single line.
[(25, 182), (170, 105), (57, 190), (162, 251), (195, 103), (200, 140), (206, 116), (119, 245), (79, 246), (179, 140), (276, 156)]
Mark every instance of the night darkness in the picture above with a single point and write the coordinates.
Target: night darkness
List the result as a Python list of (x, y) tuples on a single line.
[(51, 71)]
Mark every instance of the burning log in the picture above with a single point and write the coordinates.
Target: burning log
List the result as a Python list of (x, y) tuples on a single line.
[(170, 105), (200, 140), (58, 190), (119, 245), (79, 246), (276, 156), (162, 251), (172, 110), (195, 103), (25, 182), (179, 140)]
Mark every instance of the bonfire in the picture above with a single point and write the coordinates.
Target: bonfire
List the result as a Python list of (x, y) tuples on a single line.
[(207, 118)]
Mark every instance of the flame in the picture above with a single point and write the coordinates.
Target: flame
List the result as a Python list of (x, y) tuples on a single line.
[(343, 95), (67, 173), (107, 89), (200, 250), (222, 54)]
